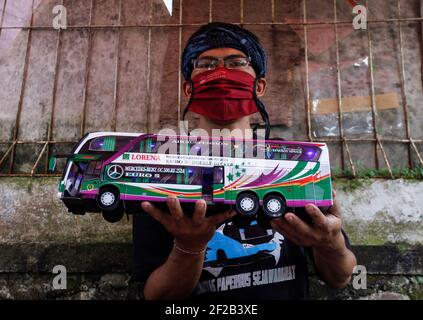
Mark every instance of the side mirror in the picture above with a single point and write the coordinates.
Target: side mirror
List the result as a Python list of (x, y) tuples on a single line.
[(52, 164)]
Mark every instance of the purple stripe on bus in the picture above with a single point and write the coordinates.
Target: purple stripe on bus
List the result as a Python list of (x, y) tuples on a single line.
[(125, 148), (90, 192), (151, 198), (302, 203)]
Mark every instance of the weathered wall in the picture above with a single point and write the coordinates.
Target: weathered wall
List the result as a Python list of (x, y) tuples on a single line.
[(382, 218)]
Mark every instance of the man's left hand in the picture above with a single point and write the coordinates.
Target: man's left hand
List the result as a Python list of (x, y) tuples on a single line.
[(324, 233)]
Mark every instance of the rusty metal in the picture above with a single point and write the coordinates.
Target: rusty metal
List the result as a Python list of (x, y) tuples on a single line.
[(53, 104), (404, 90), (179, 60), (22, 92), (210, 11), (374, 110), (2, 16), (148, 98), (307, 82), (342, 140), (87, 72), (339, 93), (117, 73), (174, 25)]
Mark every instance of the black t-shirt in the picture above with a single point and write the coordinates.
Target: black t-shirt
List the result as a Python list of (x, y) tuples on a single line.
[(241, 262)]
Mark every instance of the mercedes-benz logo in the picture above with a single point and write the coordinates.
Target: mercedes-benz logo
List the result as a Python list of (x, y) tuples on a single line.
[(115, 172)]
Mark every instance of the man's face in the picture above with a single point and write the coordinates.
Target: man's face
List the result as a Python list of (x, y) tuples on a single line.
[(221, 53)]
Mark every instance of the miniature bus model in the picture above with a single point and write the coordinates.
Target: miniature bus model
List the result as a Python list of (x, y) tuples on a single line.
[(112, 172)]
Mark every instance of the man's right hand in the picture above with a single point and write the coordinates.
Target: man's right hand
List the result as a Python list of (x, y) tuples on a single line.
[(191, 234)]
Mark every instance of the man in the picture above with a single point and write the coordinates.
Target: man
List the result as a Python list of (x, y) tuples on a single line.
[(224, 67)]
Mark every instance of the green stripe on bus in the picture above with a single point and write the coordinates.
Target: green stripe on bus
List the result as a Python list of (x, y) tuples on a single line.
[(297, 169)]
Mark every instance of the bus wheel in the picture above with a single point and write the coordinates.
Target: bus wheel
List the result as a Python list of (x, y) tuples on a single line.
[(274, 206), (108, 199), (247, 204), (113, 216)]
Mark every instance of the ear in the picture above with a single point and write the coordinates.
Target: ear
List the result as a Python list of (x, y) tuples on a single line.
[(187, 89), (261, 87)]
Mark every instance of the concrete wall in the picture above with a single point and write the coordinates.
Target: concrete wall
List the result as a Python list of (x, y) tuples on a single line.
[(382, 217)]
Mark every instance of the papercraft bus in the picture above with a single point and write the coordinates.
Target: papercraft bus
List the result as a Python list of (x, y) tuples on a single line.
[(112, 172)]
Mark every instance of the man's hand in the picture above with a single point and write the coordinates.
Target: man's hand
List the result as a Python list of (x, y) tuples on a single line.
[(325, 232), (333, 260), (191, 234)]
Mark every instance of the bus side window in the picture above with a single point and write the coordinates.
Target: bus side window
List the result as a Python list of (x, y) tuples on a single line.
[(194, 176), (218, 175)]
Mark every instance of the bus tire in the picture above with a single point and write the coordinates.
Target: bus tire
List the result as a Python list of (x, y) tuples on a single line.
[(108, 199), (247, 204), (113, 216), (274, 206)]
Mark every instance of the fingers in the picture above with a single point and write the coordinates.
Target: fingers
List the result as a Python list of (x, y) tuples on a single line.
[(220, 217), (200, 212), (281, 226), (175, 208), (154, 212), (319, 219), (297, 225)]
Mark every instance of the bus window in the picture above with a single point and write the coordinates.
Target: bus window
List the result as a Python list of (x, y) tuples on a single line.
[(108, 143), (93, 170), (269, 152), (218, 175), (194, 176), (156, 144), (164, 178)]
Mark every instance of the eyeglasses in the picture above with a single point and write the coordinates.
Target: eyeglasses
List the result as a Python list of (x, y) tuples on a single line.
[(231, 62)]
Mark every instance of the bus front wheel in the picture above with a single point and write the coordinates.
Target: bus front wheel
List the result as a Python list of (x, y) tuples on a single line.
[(274, 206), (247, 204), (108, 199)]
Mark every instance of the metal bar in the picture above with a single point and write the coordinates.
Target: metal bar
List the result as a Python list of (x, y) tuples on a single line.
[(7, 153), (53, 103), (241, 14), (179, 60), (273, 11), (210, 11), (170, 25), (117, 61), (28, 175), (374, 111), (2, 16), (23, 85), (308, 109), (148, 104), (87, 73), (38, 159), (403, 86), (339, 93), (417, 151)]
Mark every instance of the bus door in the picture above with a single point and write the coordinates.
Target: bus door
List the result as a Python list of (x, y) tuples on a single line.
[(74, 178), (212, 180), (207, 190)]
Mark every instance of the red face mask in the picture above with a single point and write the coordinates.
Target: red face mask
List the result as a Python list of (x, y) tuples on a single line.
[(223, 94)]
